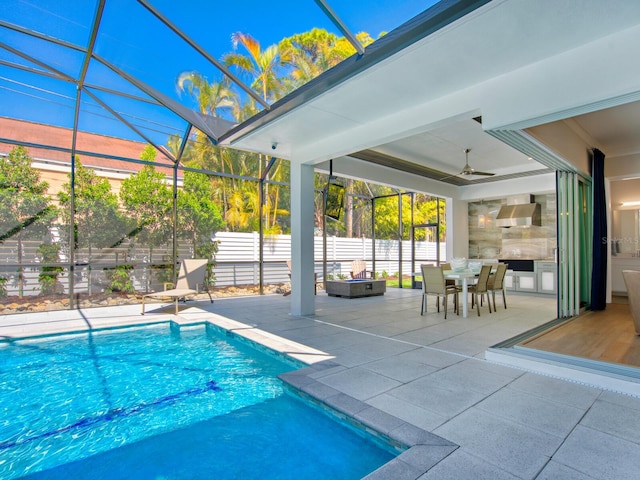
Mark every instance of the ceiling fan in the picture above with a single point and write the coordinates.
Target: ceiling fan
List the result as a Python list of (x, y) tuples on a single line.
[(467, 171)]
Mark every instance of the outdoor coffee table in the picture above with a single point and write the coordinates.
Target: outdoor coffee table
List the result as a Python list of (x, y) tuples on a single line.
[(356, 288)]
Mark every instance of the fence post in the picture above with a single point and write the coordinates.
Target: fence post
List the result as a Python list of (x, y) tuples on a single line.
[(333, 255), (256, 256)]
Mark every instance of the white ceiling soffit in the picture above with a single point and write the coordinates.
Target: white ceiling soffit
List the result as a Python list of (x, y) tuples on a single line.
[(615, 130), (417, 104)]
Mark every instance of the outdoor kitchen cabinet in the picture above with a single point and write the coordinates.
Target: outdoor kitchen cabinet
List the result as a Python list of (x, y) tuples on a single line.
[(521, 276), (521, 281), (547, 273), (542, 279)]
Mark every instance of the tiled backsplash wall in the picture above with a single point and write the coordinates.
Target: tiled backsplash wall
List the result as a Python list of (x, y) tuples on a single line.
[(486, 240)]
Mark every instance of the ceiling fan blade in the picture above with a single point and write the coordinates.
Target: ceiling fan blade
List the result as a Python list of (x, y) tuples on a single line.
[(447, 177), (473, 172)]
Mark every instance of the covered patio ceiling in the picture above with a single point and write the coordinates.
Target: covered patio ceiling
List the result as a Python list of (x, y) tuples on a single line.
[(458, 77)]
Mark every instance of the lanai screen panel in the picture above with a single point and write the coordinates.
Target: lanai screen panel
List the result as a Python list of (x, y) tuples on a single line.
[(49, 46)]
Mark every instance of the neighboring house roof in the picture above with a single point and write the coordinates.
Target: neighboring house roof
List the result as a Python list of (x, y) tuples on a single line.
[(49, 143)]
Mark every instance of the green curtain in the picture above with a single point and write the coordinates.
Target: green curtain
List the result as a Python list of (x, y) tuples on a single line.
[(574, 242)]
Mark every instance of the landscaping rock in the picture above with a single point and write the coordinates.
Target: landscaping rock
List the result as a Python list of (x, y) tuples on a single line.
[(13, 305)]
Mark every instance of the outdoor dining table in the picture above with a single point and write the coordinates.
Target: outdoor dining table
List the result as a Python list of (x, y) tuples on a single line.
[(465, 277)]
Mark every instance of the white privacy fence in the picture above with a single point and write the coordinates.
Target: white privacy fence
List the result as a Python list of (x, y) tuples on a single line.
[(237, 261), (239, 253)]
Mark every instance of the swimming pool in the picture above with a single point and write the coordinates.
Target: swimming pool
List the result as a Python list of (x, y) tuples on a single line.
[(158, 403)]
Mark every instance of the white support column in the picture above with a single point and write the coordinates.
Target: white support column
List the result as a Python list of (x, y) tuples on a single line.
[(302, 223), (457, 221)]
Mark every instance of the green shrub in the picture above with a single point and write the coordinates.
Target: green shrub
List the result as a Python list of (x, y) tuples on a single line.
[(208, 250), (3, 287), (48, 277), (120, 279), (163, 273)]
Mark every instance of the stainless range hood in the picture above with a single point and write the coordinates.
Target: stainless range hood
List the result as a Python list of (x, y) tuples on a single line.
[(519, 212)]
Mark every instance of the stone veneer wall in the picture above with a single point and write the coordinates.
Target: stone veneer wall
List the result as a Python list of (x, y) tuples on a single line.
[(488, 241)]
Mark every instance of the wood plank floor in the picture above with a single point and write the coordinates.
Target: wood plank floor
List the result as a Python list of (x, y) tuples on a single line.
[(607, 335)]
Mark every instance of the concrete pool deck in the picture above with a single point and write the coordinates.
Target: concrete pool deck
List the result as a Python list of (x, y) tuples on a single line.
[(421, 379)]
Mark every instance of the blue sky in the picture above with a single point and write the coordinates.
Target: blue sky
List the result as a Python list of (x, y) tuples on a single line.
[(136, 42), (270, 21)]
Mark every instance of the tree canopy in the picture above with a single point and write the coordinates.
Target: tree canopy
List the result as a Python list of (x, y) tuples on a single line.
[(147, 200), (25, 208), (272, 72), (26, 212), (95, 206), (198, 215)]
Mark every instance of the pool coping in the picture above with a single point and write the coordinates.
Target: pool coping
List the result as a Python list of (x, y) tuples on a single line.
[(419, 449)]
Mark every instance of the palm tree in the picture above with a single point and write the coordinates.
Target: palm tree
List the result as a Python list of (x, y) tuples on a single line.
[(243, 208), (299, 59), (308, 55), (263, 67), (211, 97)]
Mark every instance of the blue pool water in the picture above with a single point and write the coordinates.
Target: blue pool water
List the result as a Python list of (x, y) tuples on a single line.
[(145, 403)]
